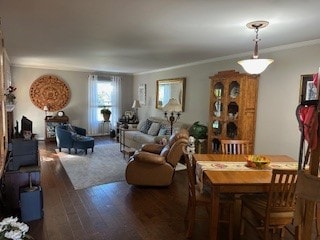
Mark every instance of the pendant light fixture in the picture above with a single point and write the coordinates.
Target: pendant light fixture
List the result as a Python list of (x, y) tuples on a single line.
[(256, 65)]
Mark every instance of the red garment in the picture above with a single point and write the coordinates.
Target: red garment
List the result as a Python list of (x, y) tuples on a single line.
[(315, 79), (307, 115)]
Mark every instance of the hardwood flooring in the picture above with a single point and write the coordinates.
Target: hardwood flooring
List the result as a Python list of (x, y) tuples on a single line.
[(112, 211)]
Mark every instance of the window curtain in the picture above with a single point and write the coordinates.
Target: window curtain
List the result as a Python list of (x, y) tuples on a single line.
[(93, 123), (116, 100)]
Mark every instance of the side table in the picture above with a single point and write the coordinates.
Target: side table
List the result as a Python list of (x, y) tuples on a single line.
[(128, 151), (105, 127), (122, 135)]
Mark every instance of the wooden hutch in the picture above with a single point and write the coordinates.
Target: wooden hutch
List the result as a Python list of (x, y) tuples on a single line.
[(232, 110)]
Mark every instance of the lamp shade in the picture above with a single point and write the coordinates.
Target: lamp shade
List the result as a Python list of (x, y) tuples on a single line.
[(45, 108), (172, 106), (136, 104), (255, 65)]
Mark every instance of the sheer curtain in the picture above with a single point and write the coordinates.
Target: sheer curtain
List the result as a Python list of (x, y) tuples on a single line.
[(116, 100), (93, 122)]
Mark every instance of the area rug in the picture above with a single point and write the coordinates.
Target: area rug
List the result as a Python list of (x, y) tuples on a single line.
[(106, 164)]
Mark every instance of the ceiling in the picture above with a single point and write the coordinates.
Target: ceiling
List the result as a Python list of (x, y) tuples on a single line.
[(135, 36)]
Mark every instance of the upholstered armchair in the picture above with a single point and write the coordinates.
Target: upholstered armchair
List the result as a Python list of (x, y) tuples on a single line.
[(68, 136), (154, 164)]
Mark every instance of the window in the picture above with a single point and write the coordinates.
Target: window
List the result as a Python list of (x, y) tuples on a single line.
[(104, 90)]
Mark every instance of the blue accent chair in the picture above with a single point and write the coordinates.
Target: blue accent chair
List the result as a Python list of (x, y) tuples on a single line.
[(69, 137)]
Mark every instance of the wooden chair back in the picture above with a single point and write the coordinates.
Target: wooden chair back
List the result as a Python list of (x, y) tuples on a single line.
[(307, 192), (282, 191), (196, 198), (272, 211), (234, 146), (191, 176)]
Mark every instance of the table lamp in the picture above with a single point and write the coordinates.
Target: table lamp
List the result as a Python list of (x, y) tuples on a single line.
[(135, 106), (46, 109)]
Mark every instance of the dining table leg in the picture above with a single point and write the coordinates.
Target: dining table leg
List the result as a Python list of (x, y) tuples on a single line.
[(237, 216), (214, 217)]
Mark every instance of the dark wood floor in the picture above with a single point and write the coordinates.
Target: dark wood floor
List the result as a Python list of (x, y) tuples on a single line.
[(112, 211)]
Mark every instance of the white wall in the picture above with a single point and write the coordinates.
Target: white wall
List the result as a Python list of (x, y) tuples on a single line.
[(277, 128), (76, 109)]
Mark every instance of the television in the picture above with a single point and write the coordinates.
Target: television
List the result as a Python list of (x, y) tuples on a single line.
[(26, 125)]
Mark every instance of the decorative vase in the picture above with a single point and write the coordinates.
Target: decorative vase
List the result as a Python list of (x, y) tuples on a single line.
[(10, 97)]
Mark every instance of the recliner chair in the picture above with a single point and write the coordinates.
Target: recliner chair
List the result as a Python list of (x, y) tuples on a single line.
[(154, 164)]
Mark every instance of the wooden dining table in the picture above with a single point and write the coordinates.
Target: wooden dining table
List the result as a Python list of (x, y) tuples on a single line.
[(235, 181)]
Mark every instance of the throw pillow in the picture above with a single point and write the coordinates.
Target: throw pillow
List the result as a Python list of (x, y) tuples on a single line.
[(140, 124), (145, 128), (154, 129), (164, 130)]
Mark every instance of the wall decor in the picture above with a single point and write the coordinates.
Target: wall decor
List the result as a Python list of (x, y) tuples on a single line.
[(170, 88), (142, 93), (308, 90), (50, 91)]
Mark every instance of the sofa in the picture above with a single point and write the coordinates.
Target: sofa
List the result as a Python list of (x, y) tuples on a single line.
[(151, 130), (154, 164)]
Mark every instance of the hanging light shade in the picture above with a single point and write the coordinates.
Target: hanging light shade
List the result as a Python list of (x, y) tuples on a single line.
[(256, 65)]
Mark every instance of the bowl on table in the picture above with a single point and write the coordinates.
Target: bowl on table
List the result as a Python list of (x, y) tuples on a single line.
[(257, 161)]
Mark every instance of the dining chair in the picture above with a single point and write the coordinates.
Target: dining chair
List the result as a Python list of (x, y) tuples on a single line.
[(196, 198), (234, 146), (307, 189), (273, 210)]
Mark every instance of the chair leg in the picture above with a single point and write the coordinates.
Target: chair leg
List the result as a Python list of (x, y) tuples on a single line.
[(242, 222), (241, 228), (266, 232), (317, 218), (75, 151), (86, 151), (191, 221), (91, 149), (69, 150), (282, 233), (59, 149), (297, 233), (231, 216), (188, 210)]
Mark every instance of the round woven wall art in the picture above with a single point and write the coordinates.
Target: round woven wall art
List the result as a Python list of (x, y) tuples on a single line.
[(50, 91)]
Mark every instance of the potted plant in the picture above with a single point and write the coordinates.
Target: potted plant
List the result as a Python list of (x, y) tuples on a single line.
[(106, 114), (10, 97)]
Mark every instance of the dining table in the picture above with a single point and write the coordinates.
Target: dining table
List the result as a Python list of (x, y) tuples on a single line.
[(230, 174)]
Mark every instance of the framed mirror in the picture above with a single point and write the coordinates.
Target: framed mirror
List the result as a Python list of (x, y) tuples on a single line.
[(170, 88)]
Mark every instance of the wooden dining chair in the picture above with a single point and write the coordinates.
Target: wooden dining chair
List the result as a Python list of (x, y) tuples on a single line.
[(307, 192), (271, 211), (196, 198), (234, 146)]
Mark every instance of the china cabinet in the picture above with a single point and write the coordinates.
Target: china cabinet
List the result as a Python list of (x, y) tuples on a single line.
[(232, 110)]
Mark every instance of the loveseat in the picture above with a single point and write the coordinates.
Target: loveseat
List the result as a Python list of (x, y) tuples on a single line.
[(151, 130)]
